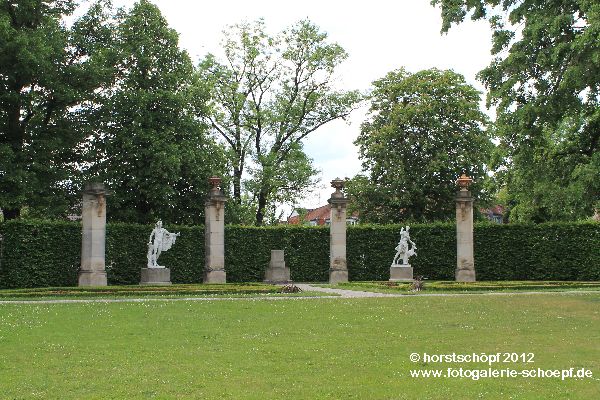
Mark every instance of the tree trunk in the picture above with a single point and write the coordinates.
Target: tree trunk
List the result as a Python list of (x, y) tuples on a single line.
[(11, 213), (262, 204), (237, 185)]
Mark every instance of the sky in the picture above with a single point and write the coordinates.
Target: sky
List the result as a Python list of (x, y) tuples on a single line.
[(380, 36)]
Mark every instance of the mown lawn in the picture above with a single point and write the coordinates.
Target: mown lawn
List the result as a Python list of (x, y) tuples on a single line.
[(295, 349)]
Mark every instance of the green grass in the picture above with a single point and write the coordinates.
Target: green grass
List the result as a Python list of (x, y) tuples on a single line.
[(294, 349), (470, 287), (165, 292)]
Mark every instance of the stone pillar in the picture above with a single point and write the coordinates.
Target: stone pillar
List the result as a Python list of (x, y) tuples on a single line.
[(214, 234), (465, 264), (93, 237), (277, 271), (338, 268)]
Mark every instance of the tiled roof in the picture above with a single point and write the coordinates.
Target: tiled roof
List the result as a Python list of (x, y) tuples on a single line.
[(320, 215)]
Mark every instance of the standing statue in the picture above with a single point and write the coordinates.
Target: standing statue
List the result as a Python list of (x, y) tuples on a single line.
[(402, 250), (163, 240)]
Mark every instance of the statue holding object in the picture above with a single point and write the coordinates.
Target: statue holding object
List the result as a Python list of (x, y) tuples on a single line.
[(406, 248), (160, 240), (402, 250)]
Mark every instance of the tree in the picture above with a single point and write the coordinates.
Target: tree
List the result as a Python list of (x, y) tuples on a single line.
[(545, 82), (423, 131), (267, 96), (47, 71), (148, 146)]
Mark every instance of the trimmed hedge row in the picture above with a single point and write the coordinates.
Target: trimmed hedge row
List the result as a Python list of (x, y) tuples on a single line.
[(552, 251), (34, 254), (42, 253), (370, 251), (248, 251)]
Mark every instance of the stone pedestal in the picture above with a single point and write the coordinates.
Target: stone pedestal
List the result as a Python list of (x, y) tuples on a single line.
[(214, 234), (93, 214), (155, 276), (465, 264), (338, 268), (401, 273), (277, 271)]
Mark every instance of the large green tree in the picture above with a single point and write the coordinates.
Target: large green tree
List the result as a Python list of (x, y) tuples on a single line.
[(268, 94), (423, 131), (148, 146), (47, 71), (545, 82)]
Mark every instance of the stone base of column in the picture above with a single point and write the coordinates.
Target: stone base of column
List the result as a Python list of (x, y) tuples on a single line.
[(214, 276), (465, 275), (277, 275), (401, 273), (155, 276), (338, 276), (92, 278)]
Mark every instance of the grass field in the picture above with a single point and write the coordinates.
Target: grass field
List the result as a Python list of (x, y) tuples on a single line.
[(296, 349)]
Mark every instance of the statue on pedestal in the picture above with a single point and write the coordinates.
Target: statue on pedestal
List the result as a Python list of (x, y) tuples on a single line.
[(405, 249), (163, 240)]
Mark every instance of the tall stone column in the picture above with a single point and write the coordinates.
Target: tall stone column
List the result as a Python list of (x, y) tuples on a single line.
[(93, 238), (465, 264), (338, 267), (214, 234)]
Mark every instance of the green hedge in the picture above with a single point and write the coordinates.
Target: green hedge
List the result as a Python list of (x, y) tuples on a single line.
[(39, 253), (42, 253), (370, 251), (126, 250), (552, 251), (248, 251)]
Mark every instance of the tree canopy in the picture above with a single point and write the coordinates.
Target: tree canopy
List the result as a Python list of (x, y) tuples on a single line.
[(268, 94), (545, 82), (147, 145), (424, 130), (47, 71)]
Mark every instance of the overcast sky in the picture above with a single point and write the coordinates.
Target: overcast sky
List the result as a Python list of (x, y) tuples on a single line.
[(379, 36)]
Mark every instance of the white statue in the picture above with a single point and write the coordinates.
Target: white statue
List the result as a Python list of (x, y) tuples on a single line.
[(163, 240), (402, 250)]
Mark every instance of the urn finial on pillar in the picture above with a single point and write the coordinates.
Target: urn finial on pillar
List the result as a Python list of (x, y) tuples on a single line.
[(338, 267), (464, 182), (215, 185), (214, 233), (465, 263)]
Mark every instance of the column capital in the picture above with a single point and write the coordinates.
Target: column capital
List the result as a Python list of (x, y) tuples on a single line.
[(463, 196), (343, 202), (95, 188)]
